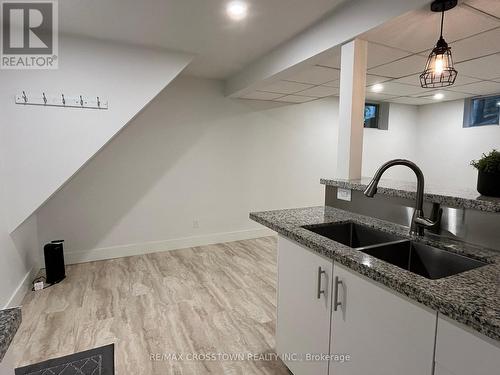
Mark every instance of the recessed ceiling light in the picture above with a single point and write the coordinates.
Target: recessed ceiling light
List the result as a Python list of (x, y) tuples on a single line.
[(237, 10), (377, 87), (438, 96)]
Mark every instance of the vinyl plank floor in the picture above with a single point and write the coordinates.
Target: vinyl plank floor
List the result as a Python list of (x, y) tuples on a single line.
[(198, 301)]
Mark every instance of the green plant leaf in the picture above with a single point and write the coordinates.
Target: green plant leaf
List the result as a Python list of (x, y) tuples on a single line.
[(489, 163)]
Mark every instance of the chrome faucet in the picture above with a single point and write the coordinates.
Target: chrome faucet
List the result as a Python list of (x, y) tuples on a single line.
[(419, 222)]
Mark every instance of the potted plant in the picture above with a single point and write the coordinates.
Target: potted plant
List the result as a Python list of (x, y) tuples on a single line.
[(488, 181)]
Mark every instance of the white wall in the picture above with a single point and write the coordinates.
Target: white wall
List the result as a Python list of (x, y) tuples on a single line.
[(19, 259), (43, 147), (40, 148), (399, 141), (195, 155), (445, 147)]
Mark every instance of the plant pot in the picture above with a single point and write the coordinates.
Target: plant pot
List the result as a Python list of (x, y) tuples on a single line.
[(488, 184)]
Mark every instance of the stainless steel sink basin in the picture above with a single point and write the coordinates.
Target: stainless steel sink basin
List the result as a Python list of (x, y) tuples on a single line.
[(352, 234), (415, 257), (423, 260)]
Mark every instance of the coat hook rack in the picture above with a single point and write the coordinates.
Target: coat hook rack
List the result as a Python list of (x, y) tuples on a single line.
[(61, 100)]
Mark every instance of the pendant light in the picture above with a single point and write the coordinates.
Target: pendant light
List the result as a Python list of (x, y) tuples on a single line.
[(439, 70)]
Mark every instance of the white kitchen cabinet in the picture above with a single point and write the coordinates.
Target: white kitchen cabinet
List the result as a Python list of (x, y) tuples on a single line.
[(304, 306), (383, 332), (375, 329), (461, 351)]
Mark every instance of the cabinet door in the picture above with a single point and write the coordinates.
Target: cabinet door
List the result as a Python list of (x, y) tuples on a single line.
[(383, 332), (461, 351), (303, 321)]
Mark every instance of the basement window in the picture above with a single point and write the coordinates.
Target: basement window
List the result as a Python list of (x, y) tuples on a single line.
[(482, 110), (372, 112), (377, 115)]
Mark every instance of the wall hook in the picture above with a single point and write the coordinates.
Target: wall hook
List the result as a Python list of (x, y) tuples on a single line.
[(61, 100)]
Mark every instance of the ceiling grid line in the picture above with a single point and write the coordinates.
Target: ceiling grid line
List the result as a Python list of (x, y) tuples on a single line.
[(396, 57)]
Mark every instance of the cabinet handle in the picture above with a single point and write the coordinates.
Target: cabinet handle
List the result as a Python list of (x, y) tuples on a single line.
[(336, 302), (320, 292)]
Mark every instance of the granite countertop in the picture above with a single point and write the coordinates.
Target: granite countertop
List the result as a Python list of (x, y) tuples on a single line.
[(471, 297), (450, 197), (10, 320)]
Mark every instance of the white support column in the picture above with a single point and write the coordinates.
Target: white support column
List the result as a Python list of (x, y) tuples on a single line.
[(351, 109)]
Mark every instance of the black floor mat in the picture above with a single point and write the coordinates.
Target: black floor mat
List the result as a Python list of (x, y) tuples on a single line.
[(98, 361)]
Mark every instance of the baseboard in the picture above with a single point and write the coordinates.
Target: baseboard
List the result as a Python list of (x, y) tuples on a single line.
[(158, 246), (23, 288)]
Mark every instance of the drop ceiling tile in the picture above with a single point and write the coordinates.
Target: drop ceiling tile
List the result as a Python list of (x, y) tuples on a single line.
[(335, 83), (425, 53), (379, 54), (415, 80), (419, 30), (373, 79), (261, 95), (320, 91), (476, 46), (315, 75), (399, 89), (370, 81), (448, 95), (285, 87), (295, 99), (412, 101), (480, 88), (462, 80), (488, 6), (331, 60), (484, 68), (454, 95), (378, 96), (400, 68)]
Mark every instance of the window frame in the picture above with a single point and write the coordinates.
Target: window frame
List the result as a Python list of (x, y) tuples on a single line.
[(383, 114), (377, 117), (468, 111)]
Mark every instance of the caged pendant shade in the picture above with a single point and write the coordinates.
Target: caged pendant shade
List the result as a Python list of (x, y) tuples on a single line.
[(439, 70)]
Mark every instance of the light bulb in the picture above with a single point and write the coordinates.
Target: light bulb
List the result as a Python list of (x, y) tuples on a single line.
[(439, 65), (438, 96), (237, 10), (377, 87)]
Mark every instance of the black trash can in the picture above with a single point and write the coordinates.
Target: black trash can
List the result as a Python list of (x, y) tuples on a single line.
[(54, 262)]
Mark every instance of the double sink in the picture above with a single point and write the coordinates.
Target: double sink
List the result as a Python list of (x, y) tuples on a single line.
[(423, 260)]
